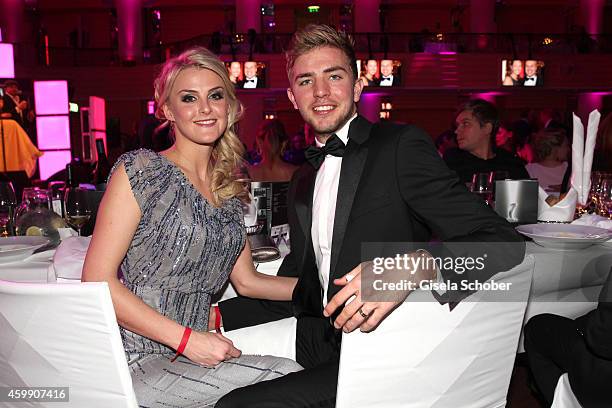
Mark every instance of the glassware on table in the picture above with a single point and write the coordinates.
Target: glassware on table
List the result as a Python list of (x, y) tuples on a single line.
[(482, 185), (76, 208), (56, 189), (34, 217), (8, 202), (605, 198)]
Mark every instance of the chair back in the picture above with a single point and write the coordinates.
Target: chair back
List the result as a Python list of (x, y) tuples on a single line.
[(424, 355), (64, 335)]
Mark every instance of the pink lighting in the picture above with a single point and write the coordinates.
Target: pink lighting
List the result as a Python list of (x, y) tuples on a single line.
[(151, 107), (52, 162), (7, 63), (592, 15), (51, 97), (53, 132), (129, 22)]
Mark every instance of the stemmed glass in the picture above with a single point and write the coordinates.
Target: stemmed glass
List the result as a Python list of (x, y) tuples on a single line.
[(76, 207), (8, 202), (482, 185)]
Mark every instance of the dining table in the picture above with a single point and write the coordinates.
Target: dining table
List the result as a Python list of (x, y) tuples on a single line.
[(565, 282)]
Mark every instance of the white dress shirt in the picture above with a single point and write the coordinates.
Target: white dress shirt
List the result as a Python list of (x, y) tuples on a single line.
[(250, 85), (324, 209), (386, 81), (531, 82)]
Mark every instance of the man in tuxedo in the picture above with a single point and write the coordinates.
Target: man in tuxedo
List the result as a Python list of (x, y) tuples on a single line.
[(386, 74), (380, 183), (582, 348), (531, 74), (251, 80)]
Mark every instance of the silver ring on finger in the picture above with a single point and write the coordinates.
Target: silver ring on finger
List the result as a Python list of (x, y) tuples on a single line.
[(363, 314)]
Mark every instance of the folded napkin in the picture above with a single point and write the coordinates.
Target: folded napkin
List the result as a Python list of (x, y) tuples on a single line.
[(69, 257), (582, 154), (594, 220), (582, 160), (563, 211)]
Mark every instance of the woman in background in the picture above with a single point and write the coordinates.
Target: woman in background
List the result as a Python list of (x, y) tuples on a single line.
[(172, 223), (514, 74), (271, 141), (552, 150)]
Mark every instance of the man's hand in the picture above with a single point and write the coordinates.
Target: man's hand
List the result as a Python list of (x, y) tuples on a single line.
[(356, 314), (367, 315)]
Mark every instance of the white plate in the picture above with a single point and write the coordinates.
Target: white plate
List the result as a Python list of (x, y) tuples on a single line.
[(565, 236), (18, 248)]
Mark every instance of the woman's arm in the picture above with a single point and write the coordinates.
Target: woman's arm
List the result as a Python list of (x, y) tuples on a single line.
[(117, 219), (250, 283)]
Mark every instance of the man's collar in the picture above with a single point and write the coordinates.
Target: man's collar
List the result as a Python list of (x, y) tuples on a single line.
[(342, 133)]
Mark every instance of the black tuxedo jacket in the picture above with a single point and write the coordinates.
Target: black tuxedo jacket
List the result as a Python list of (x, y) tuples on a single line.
[(393, 187)]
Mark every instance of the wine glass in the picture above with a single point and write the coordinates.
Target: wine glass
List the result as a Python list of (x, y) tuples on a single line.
[(482, 185), (8, 202), (76, 206)]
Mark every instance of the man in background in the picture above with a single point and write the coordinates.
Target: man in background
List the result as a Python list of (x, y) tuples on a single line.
[(531, 74), (251, 80), (386, 70), (477, 124)]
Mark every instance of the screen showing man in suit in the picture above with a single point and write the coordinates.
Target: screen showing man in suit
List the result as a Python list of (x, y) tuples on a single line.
[(533, 73), (254, 76), (363, 182), (389, 73)]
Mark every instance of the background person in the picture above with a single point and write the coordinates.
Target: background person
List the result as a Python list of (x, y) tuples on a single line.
[(251, 80), (552, 150), (386, 74), (271, 141), (531, 74), (477, 122), (514, 73), (370, 76)]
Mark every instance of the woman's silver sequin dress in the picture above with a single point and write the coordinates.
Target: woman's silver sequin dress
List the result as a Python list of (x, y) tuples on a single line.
[(182, 252)]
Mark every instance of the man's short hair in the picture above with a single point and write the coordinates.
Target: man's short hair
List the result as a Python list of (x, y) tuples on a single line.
[(320, 35), (10, 82), (484, 111)]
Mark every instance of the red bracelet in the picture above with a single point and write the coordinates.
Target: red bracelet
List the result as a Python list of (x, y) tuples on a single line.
[(217, 319), (183, 344)]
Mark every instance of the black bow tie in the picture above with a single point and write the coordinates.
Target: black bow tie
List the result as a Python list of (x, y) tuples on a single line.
[(315, 155), (530, 79), (386, 78), (250, 80)]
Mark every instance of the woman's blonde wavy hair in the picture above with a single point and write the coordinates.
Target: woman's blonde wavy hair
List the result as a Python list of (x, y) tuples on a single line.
[(226, 181)]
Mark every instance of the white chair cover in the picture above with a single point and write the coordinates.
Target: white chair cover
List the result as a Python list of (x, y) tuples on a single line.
[(273, 338), (564, 396), (56, 335), (424, 355)]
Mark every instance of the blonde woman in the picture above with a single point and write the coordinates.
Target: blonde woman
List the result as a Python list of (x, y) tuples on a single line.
[(172, 223)]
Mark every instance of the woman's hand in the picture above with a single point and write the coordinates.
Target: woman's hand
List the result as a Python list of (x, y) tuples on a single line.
[(209, 349)]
